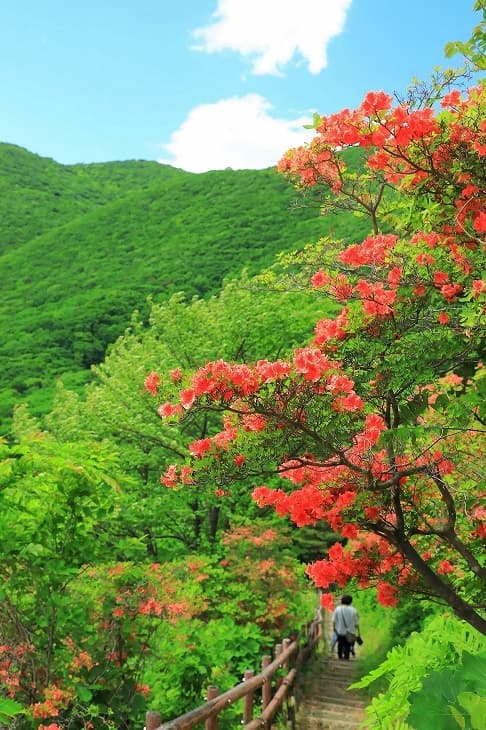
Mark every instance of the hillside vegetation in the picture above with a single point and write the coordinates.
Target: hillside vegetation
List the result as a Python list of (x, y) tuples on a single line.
[(82, 246), (37, 194)]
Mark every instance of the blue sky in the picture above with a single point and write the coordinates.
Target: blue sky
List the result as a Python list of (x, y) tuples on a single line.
[(204, 84)]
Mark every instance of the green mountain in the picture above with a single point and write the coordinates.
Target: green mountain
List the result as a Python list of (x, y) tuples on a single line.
[(82, 246), (37, 194)]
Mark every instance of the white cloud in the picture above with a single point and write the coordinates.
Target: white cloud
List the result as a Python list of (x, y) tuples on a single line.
[(272, 32), (238, 132)]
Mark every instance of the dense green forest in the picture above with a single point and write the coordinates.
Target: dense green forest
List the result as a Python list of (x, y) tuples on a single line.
[(83, 246)]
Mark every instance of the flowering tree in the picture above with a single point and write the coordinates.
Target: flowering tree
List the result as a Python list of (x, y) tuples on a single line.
[(375, 426)]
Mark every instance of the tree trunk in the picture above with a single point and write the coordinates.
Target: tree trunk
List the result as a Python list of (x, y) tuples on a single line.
[(461, 608), (213, 523)]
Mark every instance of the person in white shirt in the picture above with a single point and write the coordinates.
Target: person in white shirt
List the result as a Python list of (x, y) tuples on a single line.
[(345, 621)]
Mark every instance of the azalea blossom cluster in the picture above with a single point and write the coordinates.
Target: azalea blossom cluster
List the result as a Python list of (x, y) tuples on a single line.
[(411, 147), (254, 558), (223, 382), (153, 592), (11, 660), (56, 698), (441, 271), (330, 491), (220, 384)]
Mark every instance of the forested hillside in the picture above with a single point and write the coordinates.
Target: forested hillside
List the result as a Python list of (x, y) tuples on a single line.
[(83, 246), (37, 194)]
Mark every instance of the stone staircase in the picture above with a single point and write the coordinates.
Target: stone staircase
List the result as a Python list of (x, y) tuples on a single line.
[(328, 704), (325, 702)]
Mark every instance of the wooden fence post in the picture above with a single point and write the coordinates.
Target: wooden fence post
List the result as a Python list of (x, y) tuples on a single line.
[(311, 632), (212, 722), (278, 651), (285, 645), (267, 685), (152, 720), (248, 700)]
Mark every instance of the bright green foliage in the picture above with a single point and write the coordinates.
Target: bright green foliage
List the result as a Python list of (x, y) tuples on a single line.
[(213, 652), (98, 668), (54, 499), (8, 710), (453, 696), (428, 675), (82, 246), (39, 195), (474, 49), (409, 616), (120, 613)]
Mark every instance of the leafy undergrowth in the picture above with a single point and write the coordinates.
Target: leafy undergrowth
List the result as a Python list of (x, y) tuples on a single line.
[(436, 679)]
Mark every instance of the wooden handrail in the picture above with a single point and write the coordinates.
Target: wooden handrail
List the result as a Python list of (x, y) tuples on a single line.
[(184, 722), (209, 711), (273, 706)]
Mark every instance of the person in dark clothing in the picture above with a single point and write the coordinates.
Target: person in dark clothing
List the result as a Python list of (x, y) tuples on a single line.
[(345, 621)]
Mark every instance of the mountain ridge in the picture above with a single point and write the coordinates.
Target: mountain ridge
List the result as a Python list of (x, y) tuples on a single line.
[(119, 233)]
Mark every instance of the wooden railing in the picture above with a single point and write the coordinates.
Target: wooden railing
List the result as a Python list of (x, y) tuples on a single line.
[(289, 656)]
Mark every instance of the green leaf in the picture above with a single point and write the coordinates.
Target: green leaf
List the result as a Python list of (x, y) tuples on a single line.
[(458, 717), (429, 710), (473, 671), (450, 49), (475, 705), (442, 401), (84, 693), (316, 121), (8, 709)]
